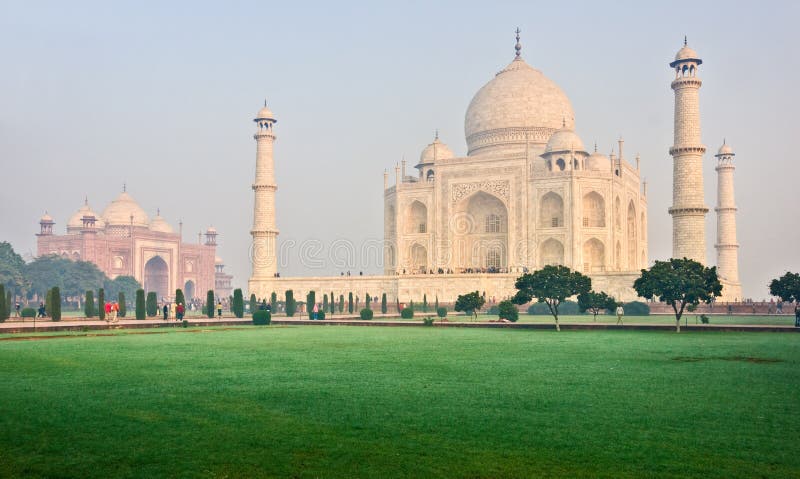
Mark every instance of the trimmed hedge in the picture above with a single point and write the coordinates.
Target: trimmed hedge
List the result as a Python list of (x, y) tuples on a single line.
[(238, 303), (441, 312), (28, 313), (140, 306), (262, 317), (55, 304), (366, 314), (636, 308), (538, 309), (407, 313), (151, 304)]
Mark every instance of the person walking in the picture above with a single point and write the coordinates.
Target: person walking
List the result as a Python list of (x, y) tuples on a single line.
[(107, 308), (114, 311), (315, 312), (620, 313), (219, 309), (165, 310), (797, 316), (41, 310), (16, 309), (179, 310)]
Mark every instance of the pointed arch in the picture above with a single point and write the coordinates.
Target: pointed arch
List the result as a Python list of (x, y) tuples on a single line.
[(416, 218), (551, 210), (594, 256), (632, 237), (594, 210), (479, 224), (551, 252)]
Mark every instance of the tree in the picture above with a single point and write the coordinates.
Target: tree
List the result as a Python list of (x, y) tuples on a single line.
[(273, 302), (151, 304), (121, 284), (350, 302), (12, 270), (436, 304), (551, 285), (179, 297), (397, 304), (679, 283), (253, 303), (140, 304), (101, 304), (424, 303), (333, 302), (72, 277), (55, 304), (507, 310), (237, 305), (787, 288), (341, 303), (325, 302), (123, 309), (596, 302), (88, 304), (291, 305), (368, 303), (470, 303), (47, 302), (3, 308), (311, 301), (210, 303), (384, 307)]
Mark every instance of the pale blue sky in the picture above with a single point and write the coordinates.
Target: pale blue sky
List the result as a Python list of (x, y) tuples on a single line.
[(94, 94)]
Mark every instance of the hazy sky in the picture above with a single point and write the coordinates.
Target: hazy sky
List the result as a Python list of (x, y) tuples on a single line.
[(161, 96)]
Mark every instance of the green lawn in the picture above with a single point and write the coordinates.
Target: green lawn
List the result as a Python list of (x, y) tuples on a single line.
[(401, 402)]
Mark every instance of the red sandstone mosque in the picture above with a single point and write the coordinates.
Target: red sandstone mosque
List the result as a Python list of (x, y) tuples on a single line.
[(123, 241)]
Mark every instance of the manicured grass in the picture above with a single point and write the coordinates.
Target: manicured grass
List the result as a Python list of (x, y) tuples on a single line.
[(401, 402)]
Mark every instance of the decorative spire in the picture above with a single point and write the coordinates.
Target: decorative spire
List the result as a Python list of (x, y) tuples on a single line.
[(158, 211), (595, 147), (265, 102), (518, 46), (86, 200), (124, 187), (436, 134), (684, 40)]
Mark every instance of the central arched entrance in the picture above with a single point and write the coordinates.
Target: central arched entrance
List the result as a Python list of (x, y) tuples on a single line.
[(156, 277), (188, 289)]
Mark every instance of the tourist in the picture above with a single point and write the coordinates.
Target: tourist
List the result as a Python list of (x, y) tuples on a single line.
[(219, 309), (165, 309), (316, 310), (16, 309), (114, 311), (620, 313), (179, 310), (797, 316), (107, 308)]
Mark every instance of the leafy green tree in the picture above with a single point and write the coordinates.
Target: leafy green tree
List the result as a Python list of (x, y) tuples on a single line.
[(787, 288), (55, 304), (384, 307), (595, 302), (397, 305), (88, 305), (151, 304), (210, 303), (238, 303), (441, 311), (121, 284), (551, 285), (424, 303), (123, 308), (179, 297), (273, 302), (12, 270), (291, 304), (3, 308), (101, 304), (140, 304), (470, 303), (680, 283), (508, 310), (254, 303), (350, 302)]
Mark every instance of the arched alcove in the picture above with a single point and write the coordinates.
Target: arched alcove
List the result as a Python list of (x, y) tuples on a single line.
[(551, 211)]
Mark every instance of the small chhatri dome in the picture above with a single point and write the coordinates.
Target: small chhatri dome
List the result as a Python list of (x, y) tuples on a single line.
[(265, 114), (725, 150), (218, 261), (46, 218), (211, 230), (435, 151), (564, 139), (119, 212), (519, 100), (160, 225), (75, 222), (598, 162), (686, 54)]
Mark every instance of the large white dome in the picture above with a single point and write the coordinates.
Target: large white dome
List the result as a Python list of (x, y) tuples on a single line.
[(519, 104), (119, 212)]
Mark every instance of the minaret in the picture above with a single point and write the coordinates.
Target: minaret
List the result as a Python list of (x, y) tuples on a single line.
[(264, 232), (727, 247), (688, 206)]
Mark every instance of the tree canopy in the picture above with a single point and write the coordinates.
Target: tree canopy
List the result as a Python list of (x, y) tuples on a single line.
[(72, 277), (680, 283), (595, 302), (551, 285), (121, 284), (470, 303), (12, 269), (787, 287)]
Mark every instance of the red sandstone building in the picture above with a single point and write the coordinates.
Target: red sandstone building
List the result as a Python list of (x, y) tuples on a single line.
[(123, 241)]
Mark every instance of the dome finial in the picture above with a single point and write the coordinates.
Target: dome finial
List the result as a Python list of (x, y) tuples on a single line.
[(158, 211), (124, 187), (595, 147), (684, 40), (86, 200), (436, 134), (265, 102), (518, 46)]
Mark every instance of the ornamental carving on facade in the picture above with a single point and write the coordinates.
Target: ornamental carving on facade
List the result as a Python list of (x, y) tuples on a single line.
[(499, 188)]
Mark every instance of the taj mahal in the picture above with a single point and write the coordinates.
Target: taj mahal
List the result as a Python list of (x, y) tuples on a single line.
[(528, 193)]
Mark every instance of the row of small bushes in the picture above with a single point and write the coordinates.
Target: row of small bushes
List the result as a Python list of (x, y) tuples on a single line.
[(633, 308)]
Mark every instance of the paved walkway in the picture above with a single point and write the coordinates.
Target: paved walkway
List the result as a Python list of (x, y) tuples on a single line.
[(79, 324)]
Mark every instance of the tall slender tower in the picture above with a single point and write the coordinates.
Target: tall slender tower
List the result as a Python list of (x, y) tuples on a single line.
[(264, 232), (727, 247), (688, 207)]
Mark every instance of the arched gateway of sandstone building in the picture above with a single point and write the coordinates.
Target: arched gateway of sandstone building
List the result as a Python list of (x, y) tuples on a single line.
[(529, 193)]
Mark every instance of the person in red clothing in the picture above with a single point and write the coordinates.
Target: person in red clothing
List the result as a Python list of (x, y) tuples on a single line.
[(114, 311), (108, 311)]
